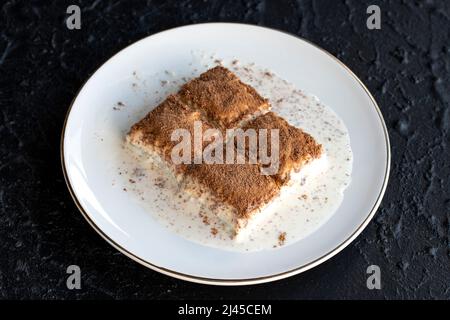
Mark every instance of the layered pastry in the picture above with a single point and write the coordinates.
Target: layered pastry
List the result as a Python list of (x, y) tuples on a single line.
[(153, 134), (235, 193), (238, 192), (296, 147), (223, 98)]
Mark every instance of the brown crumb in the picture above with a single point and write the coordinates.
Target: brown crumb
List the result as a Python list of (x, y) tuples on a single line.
[(268, 74), (205, 220), (125, 189), (235, 62), (118, 106), (131, 181), (138, 172), (281, 238), (304, 196), (160, 183), (214, 231), (218, 61)]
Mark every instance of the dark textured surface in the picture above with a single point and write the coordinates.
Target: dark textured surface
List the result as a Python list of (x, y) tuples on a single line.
[(406, 65)]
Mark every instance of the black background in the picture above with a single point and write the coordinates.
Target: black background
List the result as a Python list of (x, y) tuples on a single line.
[(406, 66)]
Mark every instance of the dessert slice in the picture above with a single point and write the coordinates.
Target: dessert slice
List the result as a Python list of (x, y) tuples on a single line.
[(296, 148), (223, 98), (153, 134), (235, 193), (239, 194)]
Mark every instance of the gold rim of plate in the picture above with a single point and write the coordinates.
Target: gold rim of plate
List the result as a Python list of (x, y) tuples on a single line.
[(234, 282)]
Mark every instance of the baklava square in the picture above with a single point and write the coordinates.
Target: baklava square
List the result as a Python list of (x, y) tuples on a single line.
[(153, 134), (234, 192), (223, 98), (295, 148)]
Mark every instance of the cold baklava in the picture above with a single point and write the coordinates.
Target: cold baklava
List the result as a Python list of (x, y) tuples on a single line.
[(236, 193)]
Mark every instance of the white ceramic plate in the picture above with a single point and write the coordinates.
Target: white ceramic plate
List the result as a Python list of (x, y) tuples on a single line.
[(90, 149)]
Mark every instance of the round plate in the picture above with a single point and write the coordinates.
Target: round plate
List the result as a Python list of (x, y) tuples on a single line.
[(90, 149)]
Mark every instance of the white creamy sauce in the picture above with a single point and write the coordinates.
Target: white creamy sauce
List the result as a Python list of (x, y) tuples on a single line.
[(300, 209)]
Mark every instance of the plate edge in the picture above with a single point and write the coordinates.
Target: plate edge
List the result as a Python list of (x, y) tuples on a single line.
[(233, 282)]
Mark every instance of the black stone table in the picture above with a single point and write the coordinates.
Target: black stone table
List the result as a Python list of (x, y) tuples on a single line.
[(405, 64)]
